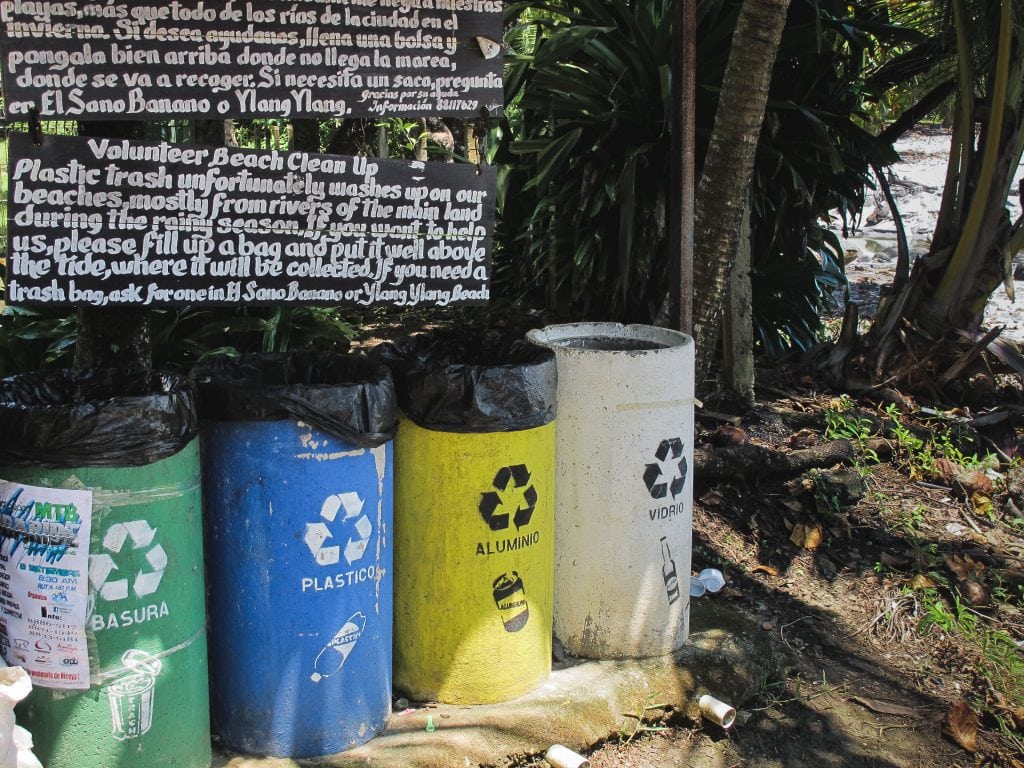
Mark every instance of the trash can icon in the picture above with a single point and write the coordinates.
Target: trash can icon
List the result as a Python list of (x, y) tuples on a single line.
[(131, 696)]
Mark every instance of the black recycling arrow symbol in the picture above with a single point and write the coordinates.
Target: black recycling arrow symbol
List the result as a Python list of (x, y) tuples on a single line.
[(488, 506), (513, 486), (658, 485)]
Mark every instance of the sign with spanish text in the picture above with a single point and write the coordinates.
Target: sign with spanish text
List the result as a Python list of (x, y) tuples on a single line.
[(309, 58), (108, 222), (44, 587)]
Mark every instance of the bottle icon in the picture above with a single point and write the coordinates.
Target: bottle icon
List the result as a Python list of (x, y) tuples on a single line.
[(668, 572), (332, 656), (510, 597)]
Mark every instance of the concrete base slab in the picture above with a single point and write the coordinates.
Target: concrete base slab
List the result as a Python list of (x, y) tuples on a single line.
[(583, 703)]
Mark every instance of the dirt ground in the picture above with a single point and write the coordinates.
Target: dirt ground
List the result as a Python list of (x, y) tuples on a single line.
[(841, 567)]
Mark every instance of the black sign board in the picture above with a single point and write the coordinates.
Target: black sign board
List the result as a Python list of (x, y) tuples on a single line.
[(202, 58), (107, 222)]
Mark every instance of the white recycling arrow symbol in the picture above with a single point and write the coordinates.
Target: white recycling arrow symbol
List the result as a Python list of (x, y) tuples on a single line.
[(316, 534), (102, 565)]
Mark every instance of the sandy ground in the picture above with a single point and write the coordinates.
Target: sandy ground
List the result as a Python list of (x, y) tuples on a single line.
[(917, 186)]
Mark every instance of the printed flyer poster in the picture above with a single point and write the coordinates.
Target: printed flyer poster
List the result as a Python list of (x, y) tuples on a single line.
[(44, 567)]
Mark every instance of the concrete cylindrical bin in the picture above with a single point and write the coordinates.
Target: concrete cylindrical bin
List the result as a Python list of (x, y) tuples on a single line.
[(623, 491), (474, 503), (297, 460), (128, 440)]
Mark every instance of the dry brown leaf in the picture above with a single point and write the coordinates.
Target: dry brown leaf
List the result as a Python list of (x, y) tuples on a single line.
[(805, 438), (771, 570), (807, 536), (973, 592), (974, 481), (896, 562), (963, 566), (885, 707), (921, 582), (947, 470), (792, 504), (711, 498), (961, 725), (728, 435), (1014, 713), (981, 504)]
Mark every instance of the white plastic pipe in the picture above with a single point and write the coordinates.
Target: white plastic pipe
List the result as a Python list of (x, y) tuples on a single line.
[(563, 757), (716, 711)]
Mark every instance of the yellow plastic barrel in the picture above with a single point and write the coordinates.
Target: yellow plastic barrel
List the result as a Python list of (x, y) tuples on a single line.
[(474, 521)]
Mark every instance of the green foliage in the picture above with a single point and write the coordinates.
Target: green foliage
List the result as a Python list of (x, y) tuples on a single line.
[(919, 455), (841, 423), (587, 157), (186, 336), (32, 338), (583, 193), (814, 157), (1000, 663)]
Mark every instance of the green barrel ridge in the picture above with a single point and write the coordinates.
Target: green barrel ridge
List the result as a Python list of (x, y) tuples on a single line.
[(148, 703)]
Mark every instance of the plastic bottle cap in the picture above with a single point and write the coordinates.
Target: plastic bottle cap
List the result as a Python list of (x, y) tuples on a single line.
[(712, 578), (697, 587)]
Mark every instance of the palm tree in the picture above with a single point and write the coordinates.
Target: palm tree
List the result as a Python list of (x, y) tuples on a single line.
[(928, 329), (725, 180)]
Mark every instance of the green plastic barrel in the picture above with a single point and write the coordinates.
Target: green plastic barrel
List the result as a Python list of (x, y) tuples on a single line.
[(147, 702)]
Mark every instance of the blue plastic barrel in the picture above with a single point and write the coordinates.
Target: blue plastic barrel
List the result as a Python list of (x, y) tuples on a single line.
[(299, 567)]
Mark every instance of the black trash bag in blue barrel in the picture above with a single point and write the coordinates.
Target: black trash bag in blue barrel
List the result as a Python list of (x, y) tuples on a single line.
[(349, 396)]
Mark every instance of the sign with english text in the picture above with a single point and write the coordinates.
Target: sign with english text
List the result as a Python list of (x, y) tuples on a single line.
[(110, 222)]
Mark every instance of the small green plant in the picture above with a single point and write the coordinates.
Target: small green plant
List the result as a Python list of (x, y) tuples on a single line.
[(911, 452), (633, 725), (776, 693), (842, 423), (825, 498), (914, 517), (1000, 659)]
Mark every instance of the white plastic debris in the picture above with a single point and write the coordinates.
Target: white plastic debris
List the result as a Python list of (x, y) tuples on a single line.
[(708, 580), (716, 711), (563, 757), (697, 587), (15, 741), (712, 578)]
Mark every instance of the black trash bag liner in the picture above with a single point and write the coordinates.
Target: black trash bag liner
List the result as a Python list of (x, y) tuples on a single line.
[(466, 381), (99, 417), (348, 396)]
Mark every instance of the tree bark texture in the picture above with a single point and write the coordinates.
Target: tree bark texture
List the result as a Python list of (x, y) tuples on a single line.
[(737, 322), (728, 166)]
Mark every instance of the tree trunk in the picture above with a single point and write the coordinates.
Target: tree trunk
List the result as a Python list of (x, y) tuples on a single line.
[(737, 322), (929, 332), (728, 166), (306, 136)]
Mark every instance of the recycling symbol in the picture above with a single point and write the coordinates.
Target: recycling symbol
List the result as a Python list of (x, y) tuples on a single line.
[(514, 497), (126, 542), (668, 473), (318, 533)]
